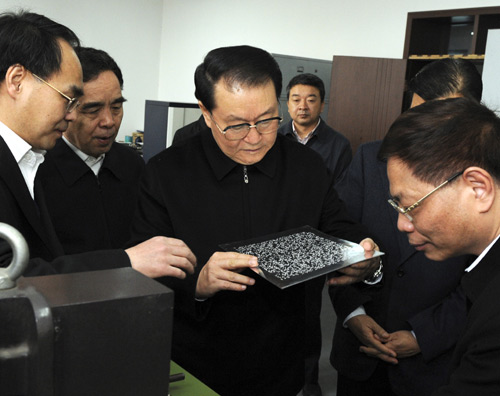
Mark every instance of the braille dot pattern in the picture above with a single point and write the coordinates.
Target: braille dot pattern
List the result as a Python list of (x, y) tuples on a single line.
[(298, 254)]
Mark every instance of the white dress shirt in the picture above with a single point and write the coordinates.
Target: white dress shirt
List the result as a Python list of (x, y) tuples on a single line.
[(92, 162), (26, 157), (309, 135), (480, 257)]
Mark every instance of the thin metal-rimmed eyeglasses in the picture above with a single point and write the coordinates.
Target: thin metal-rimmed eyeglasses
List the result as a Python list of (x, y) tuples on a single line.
[(406, 212), (240, 131), (73, 103)]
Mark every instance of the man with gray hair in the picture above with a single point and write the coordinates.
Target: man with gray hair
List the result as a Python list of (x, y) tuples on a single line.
[(98, 177)]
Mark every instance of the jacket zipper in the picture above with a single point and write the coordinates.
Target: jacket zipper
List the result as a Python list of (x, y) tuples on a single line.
[(245, 174)]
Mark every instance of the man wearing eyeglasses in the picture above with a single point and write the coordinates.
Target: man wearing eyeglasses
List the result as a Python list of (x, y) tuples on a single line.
[(399, 339), (98, 177), (240, 179), (444, 173), (40, 87)]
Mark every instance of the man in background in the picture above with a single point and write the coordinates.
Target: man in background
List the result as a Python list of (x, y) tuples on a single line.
[(98, 178), (306, 101), (190, 130), (40, 86), (446, 78)]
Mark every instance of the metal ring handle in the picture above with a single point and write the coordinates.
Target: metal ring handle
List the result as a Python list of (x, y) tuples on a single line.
[(20, 256)]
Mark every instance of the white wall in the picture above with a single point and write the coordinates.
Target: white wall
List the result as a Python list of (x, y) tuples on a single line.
[(313, 29), (491, 81), (159, 43), (129, 30)]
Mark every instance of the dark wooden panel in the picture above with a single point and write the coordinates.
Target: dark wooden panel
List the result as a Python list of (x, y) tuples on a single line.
[(488, 17), (366, 96)]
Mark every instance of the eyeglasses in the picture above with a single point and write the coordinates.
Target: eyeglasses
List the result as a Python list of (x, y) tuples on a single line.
[(73, 103), (406, 212), (240, 131)]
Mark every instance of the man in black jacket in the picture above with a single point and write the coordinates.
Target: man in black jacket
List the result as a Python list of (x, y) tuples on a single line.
[(419, 302), (40, 87), (98, 177), (444, 173), (240, 179)]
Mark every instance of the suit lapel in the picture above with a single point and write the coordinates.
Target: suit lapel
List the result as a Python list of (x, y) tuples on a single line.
[(475, 281), (13, 179), (71, 167), (50, 233)]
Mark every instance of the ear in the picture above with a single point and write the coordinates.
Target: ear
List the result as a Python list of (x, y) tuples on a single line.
[(206, 114), (14, 80), (483, 187), (322, 106)]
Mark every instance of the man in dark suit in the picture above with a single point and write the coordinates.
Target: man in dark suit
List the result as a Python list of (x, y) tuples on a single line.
[(416, 295), (40, 84), (190, 130), (95, 174), (417, 302), (444, 173)]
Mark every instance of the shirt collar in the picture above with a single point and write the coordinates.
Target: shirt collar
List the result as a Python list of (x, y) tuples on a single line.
[(93, 163), (309, 135), (482, 272), (222, 165), (480, 257), (17, 145), (81, 154), (27, 158)]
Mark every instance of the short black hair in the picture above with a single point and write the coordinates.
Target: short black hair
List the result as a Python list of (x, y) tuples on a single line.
[(30, 40), (95, 61), (307, 79), (442, 137), (446, 77), (242, 64)]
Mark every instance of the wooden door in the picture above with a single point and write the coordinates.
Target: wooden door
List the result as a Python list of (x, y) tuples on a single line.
[(366, 96)]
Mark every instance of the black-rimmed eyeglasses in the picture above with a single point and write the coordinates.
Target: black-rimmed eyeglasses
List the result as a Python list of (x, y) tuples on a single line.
[(406, 212)]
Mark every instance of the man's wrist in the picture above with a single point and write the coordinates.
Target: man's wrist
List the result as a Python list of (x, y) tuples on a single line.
[(358, 311)]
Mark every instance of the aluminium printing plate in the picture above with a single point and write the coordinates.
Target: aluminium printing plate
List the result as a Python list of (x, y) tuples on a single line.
[(295, 256)]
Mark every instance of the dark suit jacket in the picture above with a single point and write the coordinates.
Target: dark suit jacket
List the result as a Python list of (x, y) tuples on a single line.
[(415, 294), (190, 130), (476, 360), (18, 209), (333, 147), (91, 212)]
